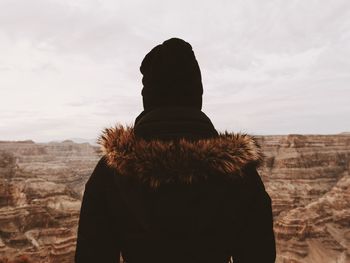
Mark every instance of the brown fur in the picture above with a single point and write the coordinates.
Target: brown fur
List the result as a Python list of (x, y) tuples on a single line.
[(156, 162)]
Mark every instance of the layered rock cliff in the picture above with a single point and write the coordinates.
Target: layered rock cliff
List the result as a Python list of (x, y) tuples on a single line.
[(308, 178), (40, 195)]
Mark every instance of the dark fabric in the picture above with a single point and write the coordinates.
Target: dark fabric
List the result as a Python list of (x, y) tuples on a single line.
[(174, 123), (208, 221), (171, 76), (98, 236)]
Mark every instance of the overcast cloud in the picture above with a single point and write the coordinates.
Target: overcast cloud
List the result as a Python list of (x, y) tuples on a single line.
[(70, 68)]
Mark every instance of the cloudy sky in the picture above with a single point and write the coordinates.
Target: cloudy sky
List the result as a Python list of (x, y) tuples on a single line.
[(69, 68)]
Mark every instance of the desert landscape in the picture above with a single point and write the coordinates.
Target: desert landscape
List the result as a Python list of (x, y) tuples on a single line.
[(307, 177)]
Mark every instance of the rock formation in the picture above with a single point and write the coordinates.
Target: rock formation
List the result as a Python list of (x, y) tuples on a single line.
[(41, 186), (307, 177)]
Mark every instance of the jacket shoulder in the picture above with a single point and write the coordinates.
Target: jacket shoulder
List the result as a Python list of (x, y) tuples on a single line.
[(102, 174)]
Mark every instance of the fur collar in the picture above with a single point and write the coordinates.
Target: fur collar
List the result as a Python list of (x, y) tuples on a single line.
[(156, 162)]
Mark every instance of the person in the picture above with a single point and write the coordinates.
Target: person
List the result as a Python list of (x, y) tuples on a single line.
[(170, 188)]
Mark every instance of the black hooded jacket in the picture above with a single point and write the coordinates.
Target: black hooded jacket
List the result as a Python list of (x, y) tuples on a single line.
[(172, 189)]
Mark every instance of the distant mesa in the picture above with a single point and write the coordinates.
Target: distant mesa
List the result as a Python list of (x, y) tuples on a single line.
[(75, 140), (82, 140), (67, 141), (21, 141)]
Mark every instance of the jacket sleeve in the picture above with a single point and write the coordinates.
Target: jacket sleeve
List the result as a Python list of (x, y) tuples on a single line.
[(256, 240), (97, 240)]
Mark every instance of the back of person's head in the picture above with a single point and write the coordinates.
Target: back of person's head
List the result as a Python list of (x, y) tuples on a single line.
[(171, 76)]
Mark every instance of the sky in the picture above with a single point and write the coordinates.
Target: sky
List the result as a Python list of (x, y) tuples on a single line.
[(69, 68)]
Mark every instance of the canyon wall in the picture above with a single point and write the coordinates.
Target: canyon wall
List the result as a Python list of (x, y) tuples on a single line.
[(41, 187), (307, 177)]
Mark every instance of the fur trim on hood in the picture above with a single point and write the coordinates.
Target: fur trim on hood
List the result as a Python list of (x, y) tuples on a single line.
[(156, 162)]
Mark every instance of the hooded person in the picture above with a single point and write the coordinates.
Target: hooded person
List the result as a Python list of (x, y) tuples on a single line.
[(170, 188)]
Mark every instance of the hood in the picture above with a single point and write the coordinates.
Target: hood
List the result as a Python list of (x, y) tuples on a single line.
[(157, 162)]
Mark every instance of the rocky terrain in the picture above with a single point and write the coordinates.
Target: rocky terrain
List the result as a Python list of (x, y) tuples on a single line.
[(41, 187), (308, 178)]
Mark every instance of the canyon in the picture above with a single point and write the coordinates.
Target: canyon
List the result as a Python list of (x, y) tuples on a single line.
[(307, 177)]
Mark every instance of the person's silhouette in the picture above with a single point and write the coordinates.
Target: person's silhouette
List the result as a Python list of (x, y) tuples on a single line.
[(171, 188)]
